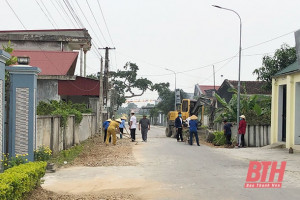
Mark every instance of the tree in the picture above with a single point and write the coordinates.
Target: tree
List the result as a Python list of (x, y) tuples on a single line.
[(127, 85), (257, 109), (282, 58), (167, 98)]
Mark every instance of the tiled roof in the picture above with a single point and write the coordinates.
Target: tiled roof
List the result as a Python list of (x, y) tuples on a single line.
[(207, 87), (291, 68), (51, 62), (252, 87)]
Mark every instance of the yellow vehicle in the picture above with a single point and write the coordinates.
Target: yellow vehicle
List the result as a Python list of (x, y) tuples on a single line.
[(188, 108)]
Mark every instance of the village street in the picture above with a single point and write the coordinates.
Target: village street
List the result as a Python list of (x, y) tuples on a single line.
[(168, 169)]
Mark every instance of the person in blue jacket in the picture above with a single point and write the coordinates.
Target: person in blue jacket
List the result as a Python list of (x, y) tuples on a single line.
[(105, 126), (122, 126), (193, 123), (178, 126)]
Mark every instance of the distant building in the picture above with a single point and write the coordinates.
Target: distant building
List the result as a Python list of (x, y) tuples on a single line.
[(247, 87), (205, 90)]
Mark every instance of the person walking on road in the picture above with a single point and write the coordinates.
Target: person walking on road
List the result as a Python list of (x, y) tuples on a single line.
[(227, 132), (145, 124), (113, 126), (105, 126), (242, 130), (178, 126), (122, 126), (193, 124), (132, 126)]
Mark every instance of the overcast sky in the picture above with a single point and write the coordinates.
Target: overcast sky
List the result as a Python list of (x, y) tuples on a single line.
[(177, 34)]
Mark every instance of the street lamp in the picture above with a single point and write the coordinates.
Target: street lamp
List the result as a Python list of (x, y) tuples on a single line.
[(240, 50), (175, 87)]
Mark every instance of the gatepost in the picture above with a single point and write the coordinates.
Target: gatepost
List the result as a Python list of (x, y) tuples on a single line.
[(4, 56), (22, 110)]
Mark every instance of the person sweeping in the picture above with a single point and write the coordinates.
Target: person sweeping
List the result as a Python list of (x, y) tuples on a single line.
[(111, 131)]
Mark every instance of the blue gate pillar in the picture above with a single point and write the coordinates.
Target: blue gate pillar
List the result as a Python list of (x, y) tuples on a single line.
[(4, 56), (22, 110)]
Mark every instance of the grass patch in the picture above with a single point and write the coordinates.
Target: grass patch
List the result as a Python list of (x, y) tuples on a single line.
[(67, 155)]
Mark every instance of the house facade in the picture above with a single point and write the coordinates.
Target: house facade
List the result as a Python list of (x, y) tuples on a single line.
[(285, 126), (285, 119)]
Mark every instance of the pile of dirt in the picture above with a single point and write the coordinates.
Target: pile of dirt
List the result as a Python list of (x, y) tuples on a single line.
[(41, 194), (96, 153)]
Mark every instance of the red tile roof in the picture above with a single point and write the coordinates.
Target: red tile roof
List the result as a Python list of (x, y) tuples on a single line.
[(79, 87), (251, 87), (207, 87), (51, 62)]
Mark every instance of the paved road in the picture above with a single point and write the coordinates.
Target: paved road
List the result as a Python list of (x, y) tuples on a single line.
[(171, 170)]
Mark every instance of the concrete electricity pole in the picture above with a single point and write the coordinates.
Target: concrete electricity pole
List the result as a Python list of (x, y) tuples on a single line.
[(101, 96), (106, 97)]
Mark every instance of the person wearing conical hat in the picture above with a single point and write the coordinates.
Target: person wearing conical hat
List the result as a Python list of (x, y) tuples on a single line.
[(105, 126), (122, 126), (193, 123), (242, 131), (111, 131)]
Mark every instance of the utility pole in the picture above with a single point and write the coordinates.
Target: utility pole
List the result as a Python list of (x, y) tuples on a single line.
[(101, 96), (214, 78), (106, 88)]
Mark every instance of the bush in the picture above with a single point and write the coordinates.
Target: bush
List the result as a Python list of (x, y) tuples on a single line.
[(18, 180), (42, 154), (9, 162), (64, 109), (219, 139)]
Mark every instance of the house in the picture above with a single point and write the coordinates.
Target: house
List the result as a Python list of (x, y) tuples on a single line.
[(56, 80), (247, 87), (204, 90), (285, 126), (285, 117), (63, 40)]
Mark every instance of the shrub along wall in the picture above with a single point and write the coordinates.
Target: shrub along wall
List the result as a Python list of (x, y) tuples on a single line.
[(17, 181)]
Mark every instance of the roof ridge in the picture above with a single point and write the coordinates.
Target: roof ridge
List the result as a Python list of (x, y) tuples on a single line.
[(18, 50), (42, 30)]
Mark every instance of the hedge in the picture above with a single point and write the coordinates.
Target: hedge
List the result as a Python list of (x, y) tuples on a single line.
[(18, 180)]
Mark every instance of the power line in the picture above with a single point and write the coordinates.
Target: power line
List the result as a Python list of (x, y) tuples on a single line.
[(64, 11), (15, 14), (45, 14), (48, 57), (96, 21), (49, 14), (268, 40), (59, 12), (89, 24), (105, 23)]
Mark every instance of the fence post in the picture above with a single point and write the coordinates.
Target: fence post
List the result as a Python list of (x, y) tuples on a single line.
[(22, 107), (3, 57)]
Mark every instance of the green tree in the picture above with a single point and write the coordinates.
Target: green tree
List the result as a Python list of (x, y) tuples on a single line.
[(256, 108), (127, 84), (167, 99), (282, 58)]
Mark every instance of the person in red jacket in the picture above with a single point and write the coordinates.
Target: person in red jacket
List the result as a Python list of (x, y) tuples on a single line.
[(242, 130)]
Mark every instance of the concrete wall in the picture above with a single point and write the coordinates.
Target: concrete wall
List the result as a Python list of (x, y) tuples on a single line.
[(256, 136), (50, 133), (47, 90)]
